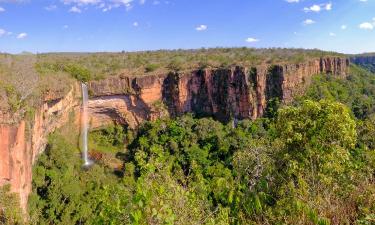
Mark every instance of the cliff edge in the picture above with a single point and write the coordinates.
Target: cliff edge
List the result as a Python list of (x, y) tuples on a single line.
[(226, 93)]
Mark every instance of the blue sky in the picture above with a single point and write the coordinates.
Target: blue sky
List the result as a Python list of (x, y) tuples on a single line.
[(114, 25)]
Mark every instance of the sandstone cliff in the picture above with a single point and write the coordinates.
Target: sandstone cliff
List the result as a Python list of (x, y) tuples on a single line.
[(21, 141), (223, 93), (367, 61)]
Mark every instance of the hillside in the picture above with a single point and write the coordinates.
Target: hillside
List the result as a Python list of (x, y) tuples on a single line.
[(217, 136)]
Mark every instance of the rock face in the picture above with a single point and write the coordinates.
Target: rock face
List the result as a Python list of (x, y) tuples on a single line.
[(22, 141), (237, 92), (223, 93), (365, 61)]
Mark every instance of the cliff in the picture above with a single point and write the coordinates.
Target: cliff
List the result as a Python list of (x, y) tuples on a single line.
[(23, 140), (237, 92), (223, 93), (367, 61)]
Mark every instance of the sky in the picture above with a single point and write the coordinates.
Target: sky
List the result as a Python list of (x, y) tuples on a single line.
[(346, 26)]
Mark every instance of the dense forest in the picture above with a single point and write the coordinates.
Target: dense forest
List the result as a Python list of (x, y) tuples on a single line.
[(310, 162)]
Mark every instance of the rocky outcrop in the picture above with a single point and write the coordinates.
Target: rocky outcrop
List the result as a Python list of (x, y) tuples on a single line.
[(223, 93), (363, 59), (236, 92), (22, 141), (367, 61)]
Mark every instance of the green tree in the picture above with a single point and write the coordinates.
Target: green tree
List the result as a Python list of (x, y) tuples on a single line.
[(10, 213), (314, 141)]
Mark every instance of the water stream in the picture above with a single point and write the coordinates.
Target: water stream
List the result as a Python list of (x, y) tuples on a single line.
[(84, 126)]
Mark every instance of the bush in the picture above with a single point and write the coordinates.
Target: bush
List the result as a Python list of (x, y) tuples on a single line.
[(10, 213), (80, 73), (151, 67)]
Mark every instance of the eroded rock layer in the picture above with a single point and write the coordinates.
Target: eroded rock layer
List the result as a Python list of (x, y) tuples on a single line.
[(367, 61), (223, 93), (22, 141)]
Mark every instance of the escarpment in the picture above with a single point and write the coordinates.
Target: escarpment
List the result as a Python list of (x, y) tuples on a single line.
[(237, 92), (224, 93), (22, 140), (367, 61)]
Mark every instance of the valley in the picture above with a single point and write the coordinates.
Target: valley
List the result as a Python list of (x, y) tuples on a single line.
[(216, 136)]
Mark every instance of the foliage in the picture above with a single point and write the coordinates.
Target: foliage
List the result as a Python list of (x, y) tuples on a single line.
[(199, 171), (136, 63), (356, 91), (78, 72), (314, 142), (63, 192), (109, 139), (311, 162), (9, 212), (151, 68)]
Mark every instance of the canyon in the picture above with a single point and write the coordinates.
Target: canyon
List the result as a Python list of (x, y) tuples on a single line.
[(235, 92), (367, 61)]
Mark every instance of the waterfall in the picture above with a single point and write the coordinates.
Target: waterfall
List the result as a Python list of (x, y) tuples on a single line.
[(84, 126)]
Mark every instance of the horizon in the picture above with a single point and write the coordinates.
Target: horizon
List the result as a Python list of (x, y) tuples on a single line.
[(92, 26), (181, 49)]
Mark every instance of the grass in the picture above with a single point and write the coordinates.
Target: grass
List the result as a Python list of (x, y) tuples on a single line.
[(138, 63)]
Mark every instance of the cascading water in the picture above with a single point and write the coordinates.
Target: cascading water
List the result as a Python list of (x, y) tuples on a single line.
[(84, 126)]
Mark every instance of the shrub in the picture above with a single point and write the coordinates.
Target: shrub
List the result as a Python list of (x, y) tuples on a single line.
[(151, 67), (78, 72)]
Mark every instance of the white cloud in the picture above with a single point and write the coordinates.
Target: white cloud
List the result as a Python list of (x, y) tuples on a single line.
[(22, 36), (344, 27), (251, 40), (116, 4), (75, 9), (135, 24), (50, 7), (201, 28), (332, 34), (308, 22), (14, 1), (292, 1), (2, 9), (363, 0), (329, 6), (366, 26), (81, 2), (317, 8), (2, 32), (313, 8), (104, 5)]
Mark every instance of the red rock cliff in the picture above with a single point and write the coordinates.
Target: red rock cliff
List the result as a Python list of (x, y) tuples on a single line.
[(21, 141), (222, 93)]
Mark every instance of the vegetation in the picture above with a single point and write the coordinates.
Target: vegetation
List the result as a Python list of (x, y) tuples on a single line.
[(23, 83), (136, 63), (10, 213), (309, 163), (25, 79), (313, 164), (357, 91)]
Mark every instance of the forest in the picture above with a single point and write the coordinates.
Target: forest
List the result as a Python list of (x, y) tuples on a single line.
[(308, 162)]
